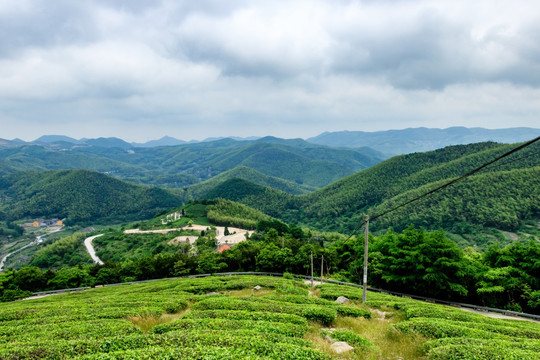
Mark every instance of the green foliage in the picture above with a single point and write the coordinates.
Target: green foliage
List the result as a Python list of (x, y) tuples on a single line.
[(355, 340), (29, 278), (92, 324), (82, 196), (470, 348), (420, 262), (175, 306), (228, 213), (70, 278), (246, 315), (66, 251), (321, 314)]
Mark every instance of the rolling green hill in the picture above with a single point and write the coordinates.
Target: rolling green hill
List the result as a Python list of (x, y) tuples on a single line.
[(511, 187), (262, 198), (243, 172), (309, 165), (80, 196)]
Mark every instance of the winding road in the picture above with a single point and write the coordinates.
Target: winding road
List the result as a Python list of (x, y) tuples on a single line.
[(238, 236), (32, 243), (90, 249)]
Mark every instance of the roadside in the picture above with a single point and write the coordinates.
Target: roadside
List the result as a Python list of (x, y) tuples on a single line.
[(39, 239), (497, 315), (90, 249), (236, 235)]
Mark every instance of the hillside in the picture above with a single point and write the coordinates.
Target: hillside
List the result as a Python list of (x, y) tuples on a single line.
[(177, 319), (200, 190), (422, 139), (79, 196), (339, 206), (309, 165), (263, 198)]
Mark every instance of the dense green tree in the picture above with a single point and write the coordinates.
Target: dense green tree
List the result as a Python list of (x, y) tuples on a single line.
[(421, 262), (29, 278), (209, 263), (272, 258), (70, 278)]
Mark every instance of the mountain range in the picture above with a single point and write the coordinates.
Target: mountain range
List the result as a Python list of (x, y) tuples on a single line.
[(392, 142), (309, 165), (299, 182), (406, 141), (502, 195)]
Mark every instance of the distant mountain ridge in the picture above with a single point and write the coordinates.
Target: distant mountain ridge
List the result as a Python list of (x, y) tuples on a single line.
[(502, 195), (391, 142), (422, 139), (308, 165)]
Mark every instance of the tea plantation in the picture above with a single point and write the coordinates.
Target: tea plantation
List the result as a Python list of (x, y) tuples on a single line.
[(223, 317)]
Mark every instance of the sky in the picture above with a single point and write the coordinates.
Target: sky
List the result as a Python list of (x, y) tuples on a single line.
[(143, 69)]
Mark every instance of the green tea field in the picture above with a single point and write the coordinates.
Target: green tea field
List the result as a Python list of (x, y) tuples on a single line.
[(225, 317)]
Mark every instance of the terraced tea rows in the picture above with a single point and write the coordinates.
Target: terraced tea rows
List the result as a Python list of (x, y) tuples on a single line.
[(224, 318)]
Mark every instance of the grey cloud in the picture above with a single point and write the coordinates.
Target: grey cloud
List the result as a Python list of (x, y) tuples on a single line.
[(434, 55), (46, 24)]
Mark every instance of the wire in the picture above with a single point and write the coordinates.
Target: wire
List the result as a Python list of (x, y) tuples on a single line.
[(522, 146), (517, 159)]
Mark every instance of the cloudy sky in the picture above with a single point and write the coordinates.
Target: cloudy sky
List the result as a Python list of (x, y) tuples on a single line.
[(142, 69)]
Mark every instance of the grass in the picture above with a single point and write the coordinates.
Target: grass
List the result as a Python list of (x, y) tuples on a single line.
[(147, 322), (250, 292)]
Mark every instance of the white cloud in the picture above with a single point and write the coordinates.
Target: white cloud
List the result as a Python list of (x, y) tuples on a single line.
[(289, 68)]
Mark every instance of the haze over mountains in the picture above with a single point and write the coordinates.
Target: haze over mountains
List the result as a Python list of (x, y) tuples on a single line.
[(322, 186), (392, 142), (308, 165), (422, 139)]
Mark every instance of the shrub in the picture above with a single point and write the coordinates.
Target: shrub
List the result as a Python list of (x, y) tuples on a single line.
[(318, 313), (175, 306), (350, 337), (353, 312)]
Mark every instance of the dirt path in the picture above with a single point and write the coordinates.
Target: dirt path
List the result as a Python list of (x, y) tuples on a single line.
[(236, 236), (90, 249)]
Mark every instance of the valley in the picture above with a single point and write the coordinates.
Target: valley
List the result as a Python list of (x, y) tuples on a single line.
[(475, 242)]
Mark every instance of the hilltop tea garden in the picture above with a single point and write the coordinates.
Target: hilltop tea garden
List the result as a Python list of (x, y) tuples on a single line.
[(224, 317)]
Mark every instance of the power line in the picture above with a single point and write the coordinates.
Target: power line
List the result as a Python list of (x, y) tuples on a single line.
[(517, 159), (451, 182)]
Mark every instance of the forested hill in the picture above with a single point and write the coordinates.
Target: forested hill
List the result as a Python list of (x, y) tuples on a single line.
[(245, 173), (308, 165), (79, 196), (508, 192)]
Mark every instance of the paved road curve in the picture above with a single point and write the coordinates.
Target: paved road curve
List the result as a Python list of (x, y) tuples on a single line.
[(90, 249), (32, 243)]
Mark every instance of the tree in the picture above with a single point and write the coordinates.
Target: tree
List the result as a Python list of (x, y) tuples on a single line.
[(210, 263), (30, 278), (272, 258), (421, 262), (70, 278)]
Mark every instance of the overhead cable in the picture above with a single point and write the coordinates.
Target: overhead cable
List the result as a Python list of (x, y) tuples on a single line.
[(451, 182)]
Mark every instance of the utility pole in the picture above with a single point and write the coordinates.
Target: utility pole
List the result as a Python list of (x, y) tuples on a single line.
[(312, 269), (322, 262), (365, 260)]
